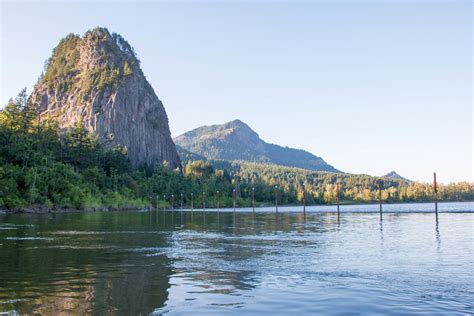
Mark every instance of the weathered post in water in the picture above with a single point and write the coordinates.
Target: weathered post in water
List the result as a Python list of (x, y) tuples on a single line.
[(380, 197), (337, 199), (253, 200), (192, 202), (435, 187), (304, 201), (164, 209), (276, 199)]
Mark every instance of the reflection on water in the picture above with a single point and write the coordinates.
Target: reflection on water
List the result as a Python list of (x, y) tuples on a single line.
[(185, 262)]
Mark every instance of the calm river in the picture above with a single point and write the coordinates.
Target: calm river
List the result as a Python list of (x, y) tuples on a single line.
[(195, 263)]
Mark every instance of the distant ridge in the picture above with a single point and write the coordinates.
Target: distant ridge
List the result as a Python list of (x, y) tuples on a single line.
[(394, 175), (235, 140)]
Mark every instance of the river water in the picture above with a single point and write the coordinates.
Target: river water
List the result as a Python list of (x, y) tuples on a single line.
[(204, 263)]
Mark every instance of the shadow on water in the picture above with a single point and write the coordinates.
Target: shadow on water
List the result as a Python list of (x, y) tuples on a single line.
[(381, 233), (437, 234), (87, 263)]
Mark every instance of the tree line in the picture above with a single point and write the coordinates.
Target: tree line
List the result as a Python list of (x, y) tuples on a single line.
[(41, 165)]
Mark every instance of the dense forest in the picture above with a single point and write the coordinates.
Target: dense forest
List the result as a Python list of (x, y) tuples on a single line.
[(45, 167)]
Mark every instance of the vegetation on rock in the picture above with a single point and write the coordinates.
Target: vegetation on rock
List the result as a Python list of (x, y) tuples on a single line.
[(116, 60)]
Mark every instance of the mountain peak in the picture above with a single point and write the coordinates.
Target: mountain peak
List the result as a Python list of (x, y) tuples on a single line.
[(394, 175), (98, 31), (238, 126), (96, 80), (235, 140), (237, 122)]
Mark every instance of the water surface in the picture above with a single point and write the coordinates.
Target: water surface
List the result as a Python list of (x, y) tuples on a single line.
[(163, 262)]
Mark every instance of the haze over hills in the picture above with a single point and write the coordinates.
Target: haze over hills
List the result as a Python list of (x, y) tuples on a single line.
[(96, 81), (235, 140)]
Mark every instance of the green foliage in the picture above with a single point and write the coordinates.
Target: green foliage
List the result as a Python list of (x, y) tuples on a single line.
[(38, 166), (115, 60), (123, 45), (187, 156), (320, 187), (102, 76), (127, 69), (60, 68), (199, 168)]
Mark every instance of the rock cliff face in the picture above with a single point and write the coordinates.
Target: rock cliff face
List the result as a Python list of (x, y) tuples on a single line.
[(96, 80)]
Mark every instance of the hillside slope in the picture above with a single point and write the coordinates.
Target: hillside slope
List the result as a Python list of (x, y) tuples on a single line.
[(235, 140)]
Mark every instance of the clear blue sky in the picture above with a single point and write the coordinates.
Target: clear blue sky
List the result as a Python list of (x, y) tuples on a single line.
[(370, 86)]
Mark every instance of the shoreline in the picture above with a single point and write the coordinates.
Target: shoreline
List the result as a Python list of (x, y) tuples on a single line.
[(41, 209)]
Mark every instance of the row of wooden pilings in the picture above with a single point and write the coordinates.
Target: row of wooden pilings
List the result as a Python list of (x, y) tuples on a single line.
[(379, 183)]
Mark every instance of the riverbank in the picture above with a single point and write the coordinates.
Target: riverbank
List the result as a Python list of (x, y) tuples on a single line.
[(42, 209)]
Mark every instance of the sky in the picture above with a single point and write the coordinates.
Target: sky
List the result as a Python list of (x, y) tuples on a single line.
[(370, 86)]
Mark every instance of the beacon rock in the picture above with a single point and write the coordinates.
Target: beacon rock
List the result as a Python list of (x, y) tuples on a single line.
[(96, 81)]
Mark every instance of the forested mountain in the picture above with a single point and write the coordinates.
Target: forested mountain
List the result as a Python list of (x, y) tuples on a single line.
[(320, 187), (96, 81), (41, 166), (93, 134), (235, 140)]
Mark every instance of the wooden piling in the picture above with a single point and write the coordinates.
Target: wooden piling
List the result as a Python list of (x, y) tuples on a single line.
[(276, 199), (192, 202), (253, 200), (435, 187), (304, 201), (337, 199), (380, 197), (218, 202)]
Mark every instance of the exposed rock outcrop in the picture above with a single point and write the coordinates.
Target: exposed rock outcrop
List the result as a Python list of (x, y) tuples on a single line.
[(97, 80)]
